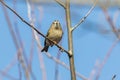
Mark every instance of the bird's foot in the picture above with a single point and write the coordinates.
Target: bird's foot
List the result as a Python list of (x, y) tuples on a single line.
[(61, 49)]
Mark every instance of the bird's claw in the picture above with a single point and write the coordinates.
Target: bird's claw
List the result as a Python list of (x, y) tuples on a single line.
[(61, 49)]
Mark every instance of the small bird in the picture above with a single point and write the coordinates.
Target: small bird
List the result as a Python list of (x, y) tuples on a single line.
[(54, 33)]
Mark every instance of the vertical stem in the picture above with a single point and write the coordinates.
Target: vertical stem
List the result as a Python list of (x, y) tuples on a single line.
[(70, 42)]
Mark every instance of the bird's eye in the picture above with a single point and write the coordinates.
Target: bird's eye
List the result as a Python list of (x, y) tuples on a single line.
[(54, 22)]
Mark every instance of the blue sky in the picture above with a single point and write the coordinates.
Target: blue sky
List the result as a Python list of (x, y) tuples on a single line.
[(90, 44)]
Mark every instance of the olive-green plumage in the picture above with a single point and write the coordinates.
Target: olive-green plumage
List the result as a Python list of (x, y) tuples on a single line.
[(54, 33)]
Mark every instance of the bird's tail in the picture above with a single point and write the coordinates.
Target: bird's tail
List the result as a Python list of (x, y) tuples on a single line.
[(45, 49)]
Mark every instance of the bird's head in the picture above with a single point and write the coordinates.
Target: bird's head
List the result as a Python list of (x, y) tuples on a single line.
[(56, 24)]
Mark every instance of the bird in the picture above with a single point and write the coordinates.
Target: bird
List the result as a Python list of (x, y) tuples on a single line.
[(54, 33)]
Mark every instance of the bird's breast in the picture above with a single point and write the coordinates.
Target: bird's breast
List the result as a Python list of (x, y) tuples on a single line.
[(55, 35)]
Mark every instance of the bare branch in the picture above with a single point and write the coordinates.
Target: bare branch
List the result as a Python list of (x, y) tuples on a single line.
[(20, 56), (70, 40), (42, 66), (60, 47), (111, 23), (9, 66), (32, 18), (61, 3), (106, 58), (83, 19), (8, 75)]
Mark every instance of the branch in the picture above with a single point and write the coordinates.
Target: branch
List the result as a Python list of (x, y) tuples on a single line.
[(42, 65), (9, 76), (31, 17), (60, 47), (9, 66), (61, 3), (20, 56), (83, 19), (111, 23), (70, 40), (106, 58)]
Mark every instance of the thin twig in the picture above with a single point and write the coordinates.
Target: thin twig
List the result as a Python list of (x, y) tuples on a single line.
[(31, 60), (15, 24), (83, 19), (111, 23), (42, 65), (9, 66), (31, 18), (61, 3), (57, 66), (8, 75), (116, 16), (94, 71), (106, 58), (60, 47), (31, 22), (23, 53), (20, 56)]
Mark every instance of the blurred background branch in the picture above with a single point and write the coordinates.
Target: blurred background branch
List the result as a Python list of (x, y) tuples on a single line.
[(83, 2)]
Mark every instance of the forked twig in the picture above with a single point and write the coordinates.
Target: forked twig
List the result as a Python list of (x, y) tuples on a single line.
[(61, 3), (111, 23), (83, 19)]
